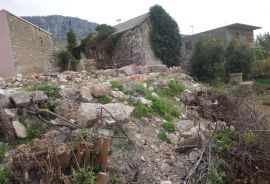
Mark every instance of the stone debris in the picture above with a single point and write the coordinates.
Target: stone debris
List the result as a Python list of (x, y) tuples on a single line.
[(20, 98), (19, 129), (101, 89)]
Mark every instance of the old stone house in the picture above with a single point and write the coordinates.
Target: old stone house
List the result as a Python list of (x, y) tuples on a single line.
[(134, 46), (24, 47), (226, 34)]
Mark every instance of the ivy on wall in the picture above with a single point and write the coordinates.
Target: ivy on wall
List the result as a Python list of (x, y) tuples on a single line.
[(164, 36)]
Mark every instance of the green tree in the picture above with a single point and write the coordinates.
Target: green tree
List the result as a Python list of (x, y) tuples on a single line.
[(239, 58), (71, 40), (263, 40), (208, 59), (165, 37)]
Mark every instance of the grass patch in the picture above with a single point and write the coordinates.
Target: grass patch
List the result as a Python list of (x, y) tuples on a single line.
[(169, 126), (82, 133), (139, 89), (117, 85), (265, 80), (164, 108), (248, 139), (104, 99), (163, 137), (142, 110), (174, 89)]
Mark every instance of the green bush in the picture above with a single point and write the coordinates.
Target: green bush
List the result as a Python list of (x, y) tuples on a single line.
[(34, 130), (66, 61), (164, 36), (169, 126), (85, 176), (142, 110), (104, 99), (208, 59), (139, 89), (239, 58), (163, 137), (263, 40), (117, 85)]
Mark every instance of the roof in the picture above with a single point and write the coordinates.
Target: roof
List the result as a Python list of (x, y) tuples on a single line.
[(26, 21), (243, 27), (130, 24)]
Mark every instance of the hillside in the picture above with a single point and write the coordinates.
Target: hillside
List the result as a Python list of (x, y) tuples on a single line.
[(58, 25)]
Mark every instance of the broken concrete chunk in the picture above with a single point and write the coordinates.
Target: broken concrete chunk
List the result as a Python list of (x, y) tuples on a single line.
[(20, 98), (145, 101), (105, 132), (88, 111), (166, 182), (11, 115), (86, 95), (19, 129), (39, 96), (101, 89)]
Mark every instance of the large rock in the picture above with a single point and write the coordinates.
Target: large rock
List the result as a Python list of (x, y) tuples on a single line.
[(184, 125), (101, 89), (130, 69), (156, 68), (20, 98), (19, 129), (86, 94), (87, 111)]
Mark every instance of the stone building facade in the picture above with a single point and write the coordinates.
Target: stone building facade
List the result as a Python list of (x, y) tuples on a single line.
[(24, 48), (134, 46), (225, 34)]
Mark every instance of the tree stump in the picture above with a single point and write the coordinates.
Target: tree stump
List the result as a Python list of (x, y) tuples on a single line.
[(7, 127)]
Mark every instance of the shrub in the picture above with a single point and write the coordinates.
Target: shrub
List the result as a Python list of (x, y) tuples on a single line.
[(239, 58), (164, 36), (208, 59), (66, 60), (34, 130), (142, 110), (85, 176), (169, 126), (261, 68), (104, 99), (82, 133), (263, 40), (71, 40), (139, 89), (117, 85), (163, 137)]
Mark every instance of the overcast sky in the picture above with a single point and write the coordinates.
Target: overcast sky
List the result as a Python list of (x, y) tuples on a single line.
[(201, 14)]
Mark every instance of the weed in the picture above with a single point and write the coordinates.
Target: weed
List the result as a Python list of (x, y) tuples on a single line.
[(82, 133), (3, 150), (225, 140), (169, 126), (142, 110), (264, 80), (215, 176), (51, 90), (117, 85), (113, 178), (249, 139), (163, 137), (23, 120), (85, 176), (104, 99), (6, 176), (148, 81)]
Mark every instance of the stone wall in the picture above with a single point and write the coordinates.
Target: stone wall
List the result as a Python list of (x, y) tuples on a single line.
[(134, 47), (32, 48)]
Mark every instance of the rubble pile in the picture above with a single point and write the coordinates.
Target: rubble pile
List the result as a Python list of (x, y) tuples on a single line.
[(157, 147)]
